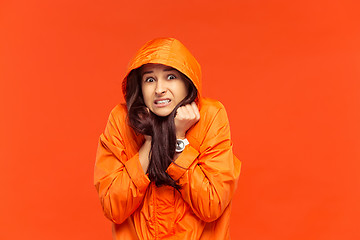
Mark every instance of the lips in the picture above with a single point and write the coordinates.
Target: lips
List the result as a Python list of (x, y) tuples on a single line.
[(163, 102)]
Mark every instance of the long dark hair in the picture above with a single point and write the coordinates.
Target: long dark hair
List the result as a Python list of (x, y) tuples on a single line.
[(161, 129)]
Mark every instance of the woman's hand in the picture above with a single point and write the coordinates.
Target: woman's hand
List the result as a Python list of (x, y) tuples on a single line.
[(186, 116), (148, 138)]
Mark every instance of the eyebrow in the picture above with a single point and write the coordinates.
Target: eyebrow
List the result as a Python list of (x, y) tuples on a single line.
[(147, 72), (165, 70), (169, 69)]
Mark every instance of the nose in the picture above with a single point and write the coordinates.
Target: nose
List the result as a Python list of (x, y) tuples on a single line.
[(160, 87)]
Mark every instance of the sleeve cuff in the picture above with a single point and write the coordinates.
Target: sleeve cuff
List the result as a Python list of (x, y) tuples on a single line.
[(136, 173), (182, 163)]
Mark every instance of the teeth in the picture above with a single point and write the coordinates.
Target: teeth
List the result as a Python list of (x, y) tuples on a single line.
[(162, 101)]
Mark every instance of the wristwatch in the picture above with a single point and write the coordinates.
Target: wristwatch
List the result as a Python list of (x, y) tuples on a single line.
[(181, 144)]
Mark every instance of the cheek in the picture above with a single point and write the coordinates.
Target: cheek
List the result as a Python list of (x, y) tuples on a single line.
[(184, 91), (146, 94)]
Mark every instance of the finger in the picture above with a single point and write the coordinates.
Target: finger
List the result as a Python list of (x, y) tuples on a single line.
[(196, 110), (190, 110), (177, 112), (181, 113), (186, 112)]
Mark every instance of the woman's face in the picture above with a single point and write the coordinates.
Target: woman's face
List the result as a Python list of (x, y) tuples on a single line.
[(162, 88)]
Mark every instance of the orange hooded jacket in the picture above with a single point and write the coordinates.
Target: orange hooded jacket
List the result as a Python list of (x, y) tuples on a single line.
[(207, 169)]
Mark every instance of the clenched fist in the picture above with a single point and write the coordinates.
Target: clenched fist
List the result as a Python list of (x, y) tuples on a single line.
[(186, 116)]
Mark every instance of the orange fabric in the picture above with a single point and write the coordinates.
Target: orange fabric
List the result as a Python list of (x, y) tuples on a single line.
[(207, 169)]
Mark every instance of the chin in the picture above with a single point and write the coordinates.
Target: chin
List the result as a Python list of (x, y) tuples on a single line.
[(162, 112)]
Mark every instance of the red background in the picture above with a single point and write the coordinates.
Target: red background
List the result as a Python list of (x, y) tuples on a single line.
[(287, 72)]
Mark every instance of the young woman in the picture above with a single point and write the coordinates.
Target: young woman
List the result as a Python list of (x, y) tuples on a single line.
[(165, 168)]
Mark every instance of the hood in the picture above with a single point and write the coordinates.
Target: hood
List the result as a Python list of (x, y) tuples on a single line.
[(169, 52)]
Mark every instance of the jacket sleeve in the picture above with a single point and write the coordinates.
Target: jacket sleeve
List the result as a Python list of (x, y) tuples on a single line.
[(121, 182), (209, 177)]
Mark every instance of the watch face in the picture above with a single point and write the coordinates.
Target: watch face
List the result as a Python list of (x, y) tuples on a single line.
[(180, 145)]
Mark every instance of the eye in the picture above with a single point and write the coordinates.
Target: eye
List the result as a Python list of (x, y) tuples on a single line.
[(171, 76), (149, 79)]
